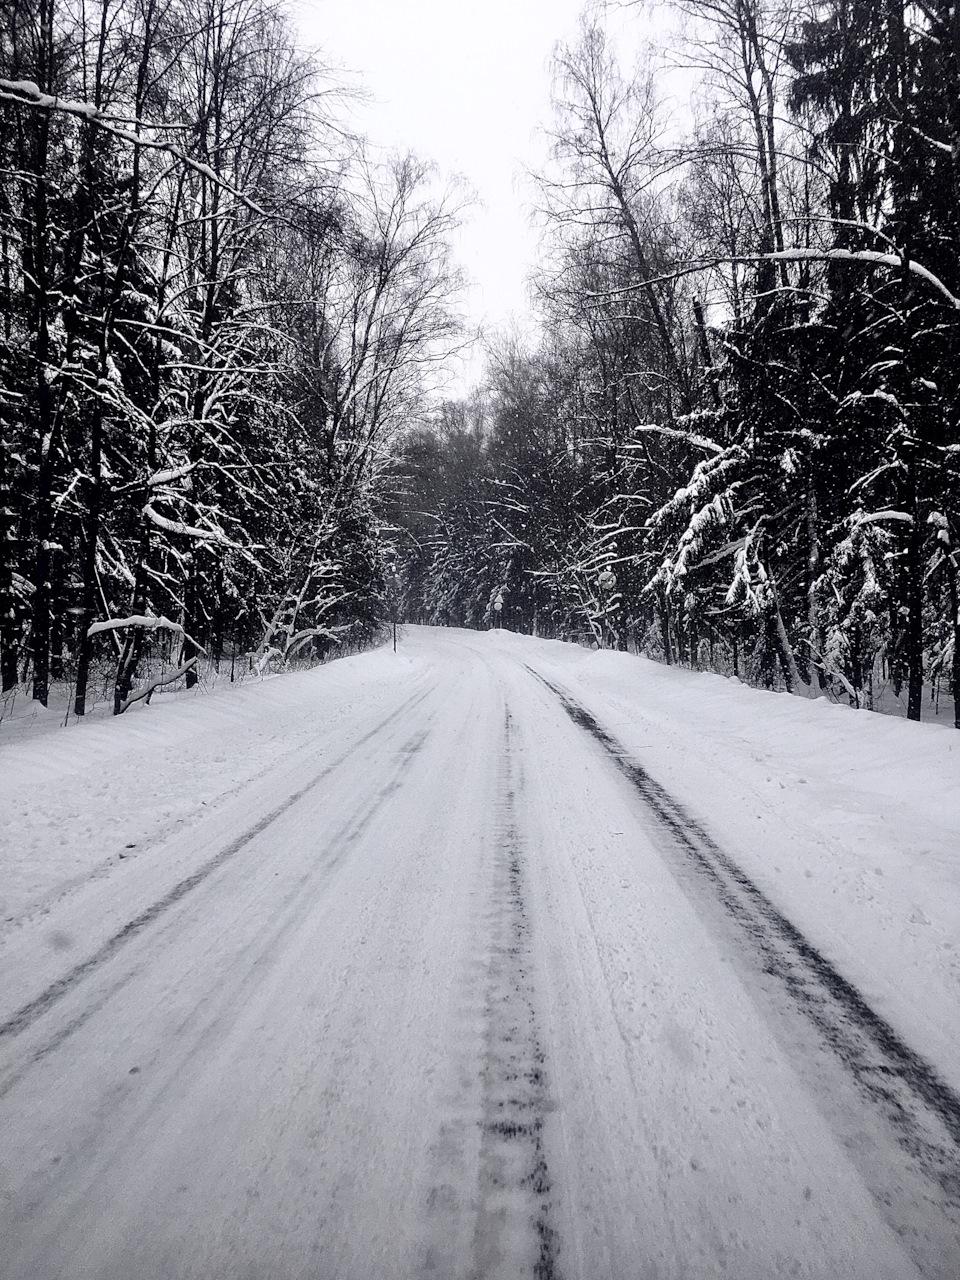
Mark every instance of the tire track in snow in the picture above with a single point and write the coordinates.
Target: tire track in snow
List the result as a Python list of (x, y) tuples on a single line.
[(297, 904), (513, 1236), (28, 1014), (920, 1109)]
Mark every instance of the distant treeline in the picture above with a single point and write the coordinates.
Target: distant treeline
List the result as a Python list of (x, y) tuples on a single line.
[(738, 442)]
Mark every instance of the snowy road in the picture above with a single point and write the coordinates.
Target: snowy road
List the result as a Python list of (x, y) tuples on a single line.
[(462, 992)]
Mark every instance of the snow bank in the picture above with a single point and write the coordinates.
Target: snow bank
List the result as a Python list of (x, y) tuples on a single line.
[(75, 801)]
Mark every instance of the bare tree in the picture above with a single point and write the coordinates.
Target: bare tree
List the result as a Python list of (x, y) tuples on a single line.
[(611, 171)]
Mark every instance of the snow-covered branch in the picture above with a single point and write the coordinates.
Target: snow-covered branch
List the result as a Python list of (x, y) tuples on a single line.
[(189, 530), (146, 622), (687, 437), (859, 257), (877, 517), (27, 94)]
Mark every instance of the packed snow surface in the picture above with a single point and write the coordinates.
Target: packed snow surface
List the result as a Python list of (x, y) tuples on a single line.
[(406, 966)]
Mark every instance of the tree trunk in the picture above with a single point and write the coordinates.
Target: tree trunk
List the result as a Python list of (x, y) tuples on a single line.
[(955, 611), (665, 633), (89, 597), (706, 353), (788, 659), (913, 639), (191, 620), (43, 530), (39, 289), (813, 566), (10, 609)]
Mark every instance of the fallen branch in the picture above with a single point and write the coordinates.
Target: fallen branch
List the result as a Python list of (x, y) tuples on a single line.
[(830, 670), (271, 652), (148, 689)]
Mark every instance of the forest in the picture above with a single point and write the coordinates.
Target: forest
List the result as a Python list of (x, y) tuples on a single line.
[(731, 443), (219, 309), (735, 444)]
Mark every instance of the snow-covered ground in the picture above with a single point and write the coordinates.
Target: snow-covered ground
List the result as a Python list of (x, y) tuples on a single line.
[(77, 801), (849, 820), (385, 969)]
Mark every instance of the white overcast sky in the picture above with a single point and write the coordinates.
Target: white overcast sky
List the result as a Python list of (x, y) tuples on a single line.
[(467, 85)]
